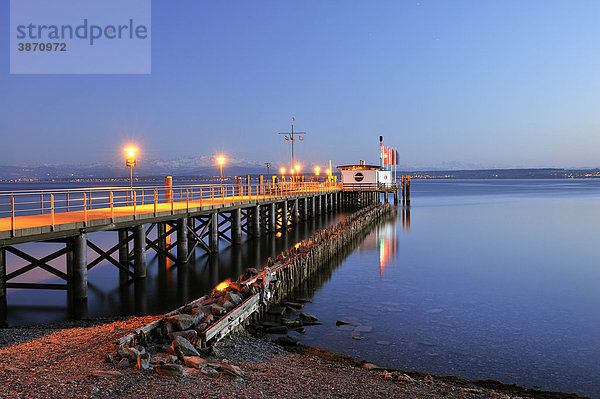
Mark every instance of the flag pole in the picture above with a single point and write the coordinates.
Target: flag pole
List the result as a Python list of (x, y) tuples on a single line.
[(395, 162)]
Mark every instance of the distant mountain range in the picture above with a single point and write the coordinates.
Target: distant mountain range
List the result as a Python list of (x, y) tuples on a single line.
[(202, 167), (186, 167)]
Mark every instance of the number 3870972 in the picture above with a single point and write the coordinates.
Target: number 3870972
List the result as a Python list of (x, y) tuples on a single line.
[(42, 46)]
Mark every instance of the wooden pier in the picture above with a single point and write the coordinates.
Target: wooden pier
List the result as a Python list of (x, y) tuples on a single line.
[(182, 218)]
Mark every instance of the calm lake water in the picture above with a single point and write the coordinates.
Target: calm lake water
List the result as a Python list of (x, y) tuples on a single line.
[(482, 279)]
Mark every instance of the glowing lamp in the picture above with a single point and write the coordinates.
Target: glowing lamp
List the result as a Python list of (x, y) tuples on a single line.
[(130, 152)]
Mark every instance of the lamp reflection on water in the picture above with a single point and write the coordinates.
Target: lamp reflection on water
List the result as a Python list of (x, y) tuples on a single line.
[(388, 245)]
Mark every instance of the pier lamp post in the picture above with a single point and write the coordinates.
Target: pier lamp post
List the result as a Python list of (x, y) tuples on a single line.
[(297, 168), (131, 162), (268, 169), (328, 171), (317, 171), (221, 161), (282, 171)]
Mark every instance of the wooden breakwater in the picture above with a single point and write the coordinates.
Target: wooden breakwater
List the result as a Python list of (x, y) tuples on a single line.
[(234, 304)]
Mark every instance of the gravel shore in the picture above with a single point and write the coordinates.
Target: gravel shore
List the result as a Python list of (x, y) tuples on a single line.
[(67, 360)]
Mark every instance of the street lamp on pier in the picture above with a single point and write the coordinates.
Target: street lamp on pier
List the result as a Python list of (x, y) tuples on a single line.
[(221, 161), (131, 162)]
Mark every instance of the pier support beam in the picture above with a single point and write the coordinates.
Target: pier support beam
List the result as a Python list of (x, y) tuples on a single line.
[(295, 211), (272, 217), (312, 206), (139, 251), (236, 226), (191, 225), (123, 254), (325, 205), (284, 215), (213, 238), (317, 203), (3, 308), (304, 208), (79, 266), (182, 240), (161, 229), (255, 220)]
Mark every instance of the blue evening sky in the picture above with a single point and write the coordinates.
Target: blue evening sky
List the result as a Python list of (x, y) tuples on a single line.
[(465, 83)]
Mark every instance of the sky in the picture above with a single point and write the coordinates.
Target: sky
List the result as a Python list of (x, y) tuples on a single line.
[(473, 84)]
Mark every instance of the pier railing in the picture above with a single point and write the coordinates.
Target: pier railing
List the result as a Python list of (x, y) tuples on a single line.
[(370, 186), (80, 201)]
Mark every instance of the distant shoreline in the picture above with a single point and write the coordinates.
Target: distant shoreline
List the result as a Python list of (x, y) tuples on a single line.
[(542, 173)]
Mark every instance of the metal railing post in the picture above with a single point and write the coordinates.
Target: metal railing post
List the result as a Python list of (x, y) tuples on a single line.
[(110, 203), (12, 215), (67, 202), (187, 200), (84, 208), (42, 203), (52, 209), (134, 198), (155, 201)]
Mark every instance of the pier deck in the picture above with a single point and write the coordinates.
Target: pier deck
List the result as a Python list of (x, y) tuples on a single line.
[(53, 217)]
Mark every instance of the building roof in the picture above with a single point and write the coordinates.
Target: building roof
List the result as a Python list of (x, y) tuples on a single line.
[(359, 167)]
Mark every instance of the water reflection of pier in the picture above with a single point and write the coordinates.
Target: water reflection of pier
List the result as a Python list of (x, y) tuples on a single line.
[(385, 238), (172, 286)]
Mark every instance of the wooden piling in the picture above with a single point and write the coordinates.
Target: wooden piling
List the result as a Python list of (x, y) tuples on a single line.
[(255, 221), (317, 204), (403, 187), (304, 211), (213, 238), (79, 266), (191, 225), (2, 274), (408, 190), (123, 255), (236, 226), (295, 211), (139, 251), (161, 229), (284, 215), (272, 215), (182, 240)]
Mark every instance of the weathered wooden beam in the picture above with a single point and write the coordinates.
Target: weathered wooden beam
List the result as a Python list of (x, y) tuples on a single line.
[(231, 320)]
